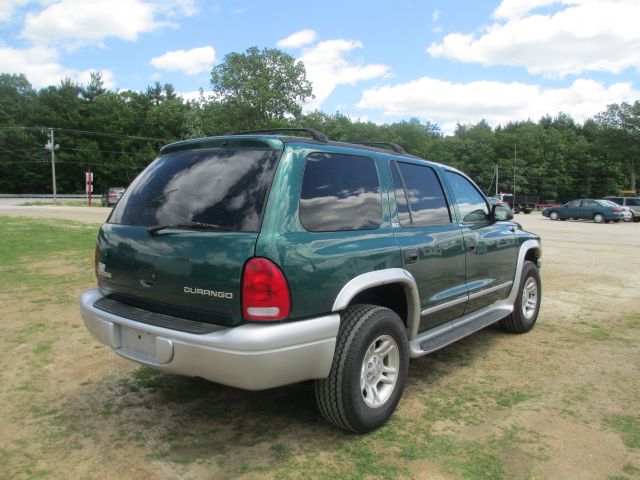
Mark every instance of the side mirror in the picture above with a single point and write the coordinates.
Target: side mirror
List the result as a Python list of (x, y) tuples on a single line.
[(500, 213)]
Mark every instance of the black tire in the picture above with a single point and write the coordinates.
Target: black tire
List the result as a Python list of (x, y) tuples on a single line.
[(340, 398), (526, 211), (522, 320), (598, 217), (516, 209), (554, 215)]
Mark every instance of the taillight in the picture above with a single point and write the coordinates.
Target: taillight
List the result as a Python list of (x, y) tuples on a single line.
[(615, 209), (96, 256), (265, 293)]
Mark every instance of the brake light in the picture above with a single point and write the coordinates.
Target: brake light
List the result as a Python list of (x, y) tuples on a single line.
[(96, 256), (111, 195), (615, 209), (265, 293)]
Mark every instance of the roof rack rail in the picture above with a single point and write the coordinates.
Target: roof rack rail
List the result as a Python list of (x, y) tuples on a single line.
[(394, 146), (319, 136)]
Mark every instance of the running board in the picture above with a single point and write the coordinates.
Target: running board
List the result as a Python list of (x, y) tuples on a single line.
[(432, 340)]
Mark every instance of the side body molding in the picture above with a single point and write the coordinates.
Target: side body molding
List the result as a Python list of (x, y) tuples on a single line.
[(384, 277)]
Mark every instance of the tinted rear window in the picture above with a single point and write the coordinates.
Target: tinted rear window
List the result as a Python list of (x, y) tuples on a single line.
[(223, 187), (340, 192)]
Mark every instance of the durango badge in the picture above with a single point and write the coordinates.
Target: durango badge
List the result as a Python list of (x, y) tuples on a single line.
[(102, 270), (208, 293)]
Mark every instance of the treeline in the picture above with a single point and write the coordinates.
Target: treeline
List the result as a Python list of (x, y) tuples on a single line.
[(116, 134)]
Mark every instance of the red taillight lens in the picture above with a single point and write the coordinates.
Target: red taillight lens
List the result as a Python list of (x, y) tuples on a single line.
[(614, 209), (265, 293), (96, 256)]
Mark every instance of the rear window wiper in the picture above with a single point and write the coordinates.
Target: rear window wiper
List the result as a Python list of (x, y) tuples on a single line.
[(190, 226)]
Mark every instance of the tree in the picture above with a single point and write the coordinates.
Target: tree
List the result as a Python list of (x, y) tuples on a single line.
[(622, 127), (95, 87), (261, 86)]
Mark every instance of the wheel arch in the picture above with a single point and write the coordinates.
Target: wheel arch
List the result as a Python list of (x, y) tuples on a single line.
[(371, 287), (530, 250)]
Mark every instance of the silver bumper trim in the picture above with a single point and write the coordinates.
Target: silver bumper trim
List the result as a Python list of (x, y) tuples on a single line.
[(250, 356)]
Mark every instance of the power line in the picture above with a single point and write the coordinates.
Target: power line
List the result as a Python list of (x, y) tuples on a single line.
[(87, 132)]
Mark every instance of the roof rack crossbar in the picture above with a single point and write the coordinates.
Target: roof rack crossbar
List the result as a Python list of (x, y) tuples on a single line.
[(315, 134), (394, 146)]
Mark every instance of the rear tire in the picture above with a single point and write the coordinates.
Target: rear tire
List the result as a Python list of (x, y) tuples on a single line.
[(369, 370), (527, 305), (598, 218)]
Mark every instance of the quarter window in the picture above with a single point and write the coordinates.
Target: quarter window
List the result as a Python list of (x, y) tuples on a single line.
[(471, 203), (340, 192), (419, 195)]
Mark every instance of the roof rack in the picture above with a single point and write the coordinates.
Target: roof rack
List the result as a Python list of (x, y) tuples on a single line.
[(319, 136), (394, 146)]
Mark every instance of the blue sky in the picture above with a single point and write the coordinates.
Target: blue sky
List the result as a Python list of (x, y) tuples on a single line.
[(440, 61)]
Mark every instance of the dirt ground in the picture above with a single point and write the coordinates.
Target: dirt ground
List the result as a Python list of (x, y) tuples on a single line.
[(562, 401)]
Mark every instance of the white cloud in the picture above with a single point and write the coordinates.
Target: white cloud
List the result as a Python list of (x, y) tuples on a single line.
[(75, 22), (447, 103), (327, 68), (42, 69), (196, 95), (8, 8), (585, 35), (436, 14), (191, 62), (298, 39)]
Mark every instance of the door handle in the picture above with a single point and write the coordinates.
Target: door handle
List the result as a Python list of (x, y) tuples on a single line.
[(411, 256), (470, 244)]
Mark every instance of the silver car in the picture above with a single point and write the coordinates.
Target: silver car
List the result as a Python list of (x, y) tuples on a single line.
[(632, 203)]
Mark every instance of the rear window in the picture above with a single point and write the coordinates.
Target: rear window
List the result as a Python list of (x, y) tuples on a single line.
[(223, 187)]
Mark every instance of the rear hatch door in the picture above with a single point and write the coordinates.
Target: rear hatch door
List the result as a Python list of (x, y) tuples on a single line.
[(178, 239)]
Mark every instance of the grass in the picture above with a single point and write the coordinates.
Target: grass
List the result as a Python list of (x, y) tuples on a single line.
[(628, 426), (73, 409)]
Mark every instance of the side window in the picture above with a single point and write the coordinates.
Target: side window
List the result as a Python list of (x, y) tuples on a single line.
[(471, 203), (340, 192), (419, 195), (589, 204), (633, 202), (573, 204)]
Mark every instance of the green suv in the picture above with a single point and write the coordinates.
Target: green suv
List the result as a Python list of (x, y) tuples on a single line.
[(261, 259)]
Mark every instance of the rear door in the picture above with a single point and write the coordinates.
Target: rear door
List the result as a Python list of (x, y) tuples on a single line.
[(431, 242), (184, 272), (491, 249)]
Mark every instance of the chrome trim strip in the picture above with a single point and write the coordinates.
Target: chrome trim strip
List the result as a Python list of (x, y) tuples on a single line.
[(479, 294), (442, 306), (377, 278)]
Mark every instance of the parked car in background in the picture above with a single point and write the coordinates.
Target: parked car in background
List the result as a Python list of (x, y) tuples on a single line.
[(111, 196), (519, 203), (633, 203), (626, 211), (586, 209)]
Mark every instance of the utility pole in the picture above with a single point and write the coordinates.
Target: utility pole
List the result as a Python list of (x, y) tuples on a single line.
[(52, 147), (515, 159), (497, 177)]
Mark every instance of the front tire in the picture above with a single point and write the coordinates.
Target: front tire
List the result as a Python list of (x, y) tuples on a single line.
[(527, 305), (554, 216), (369, 370)]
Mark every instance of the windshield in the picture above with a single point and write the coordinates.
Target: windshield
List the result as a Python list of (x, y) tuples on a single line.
[(221, 187)]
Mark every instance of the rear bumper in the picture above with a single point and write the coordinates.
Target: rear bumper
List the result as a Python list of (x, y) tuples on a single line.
[(251, 356)]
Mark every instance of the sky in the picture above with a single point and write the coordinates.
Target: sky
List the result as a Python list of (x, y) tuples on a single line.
[(441, 61)]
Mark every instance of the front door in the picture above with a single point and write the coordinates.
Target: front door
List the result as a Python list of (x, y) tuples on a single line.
[(491, 249), (430, 241)]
